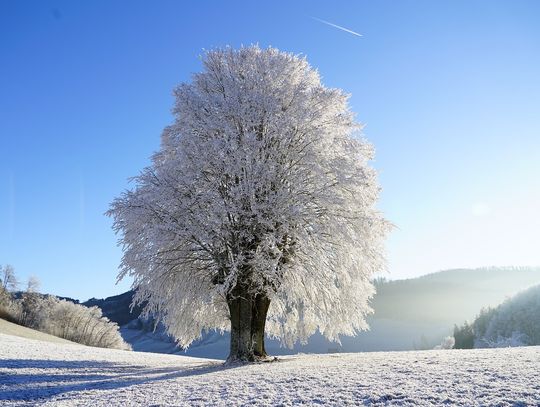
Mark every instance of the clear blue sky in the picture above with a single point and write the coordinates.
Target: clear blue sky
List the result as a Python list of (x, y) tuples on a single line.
[(449, 91)]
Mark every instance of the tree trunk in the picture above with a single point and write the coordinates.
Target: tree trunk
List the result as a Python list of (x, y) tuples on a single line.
[(258, 321), (248, 318)]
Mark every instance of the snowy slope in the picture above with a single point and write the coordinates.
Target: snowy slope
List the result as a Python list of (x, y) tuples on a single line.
[(9, 328), (41, 373)]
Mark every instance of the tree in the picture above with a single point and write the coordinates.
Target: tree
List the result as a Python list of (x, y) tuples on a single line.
[(9, 279), (447, 343), (32, 307), (258, 211), (74, 322), (463, 336), (5, 303), (33, 284)]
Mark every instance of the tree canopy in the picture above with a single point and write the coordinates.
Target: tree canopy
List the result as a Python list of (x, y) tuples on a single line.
[(261, 190)]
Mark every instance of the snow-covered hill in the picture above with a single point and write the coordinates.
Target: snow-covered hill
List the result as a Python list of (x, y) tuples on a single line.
[(516, 322), (41, 373), (9, 328)]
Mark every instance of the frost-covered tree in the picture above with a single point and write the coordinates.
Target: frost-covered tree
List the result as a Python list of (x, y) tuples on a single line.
[(5, 296), (447, 343), (85, 325), (258, 211), (32, 306), (68, 320), (10, 282), (6, 302), (515, 322), (33, 284)]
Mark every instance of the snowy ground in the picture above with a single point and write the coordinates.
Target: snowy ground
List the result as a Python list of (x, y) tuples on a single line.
[(42, 373), (9, 328)]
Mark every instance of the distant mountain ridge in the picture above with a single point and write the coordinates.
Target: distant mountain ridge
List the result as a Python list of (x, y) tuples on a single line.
[(117, 308), (409, 314), (450, 294)]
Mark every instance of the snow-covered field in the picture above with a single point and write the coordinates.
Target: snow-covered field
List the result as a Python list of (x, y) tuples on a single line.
[(42, 373)]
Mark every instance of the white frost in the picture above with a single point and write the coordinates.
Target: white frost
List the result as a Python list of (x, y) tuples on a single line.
[(40, 373), (260, 182)]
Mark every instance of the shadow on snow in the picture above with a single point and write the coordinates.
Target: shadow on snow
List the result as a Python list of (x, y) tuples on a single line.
[(74, 376)]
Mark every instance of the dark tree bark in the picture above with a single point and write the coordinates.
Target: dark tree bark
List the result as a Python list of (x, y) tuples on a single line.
[(248, 319), (259, 311)]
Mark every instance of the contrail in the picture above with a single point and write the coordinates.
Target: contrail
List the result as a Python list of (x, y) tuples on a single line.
[(337, 26)]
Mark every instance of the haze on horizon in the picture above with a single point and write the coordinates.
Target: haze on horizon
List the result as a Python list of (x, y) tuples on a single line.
[(450, 97)]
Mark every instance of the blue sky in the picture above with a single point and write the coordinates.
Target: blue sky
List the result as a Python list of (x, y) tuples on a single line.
[(449, 92)]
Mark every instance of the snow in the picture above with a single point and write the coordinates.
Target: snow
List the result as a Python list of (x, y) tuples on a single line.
[(42, 373), (10, 328)]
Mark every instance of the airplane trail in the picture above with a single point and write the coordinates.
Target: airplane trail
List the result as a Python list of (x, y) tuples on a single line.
[(337, 26)]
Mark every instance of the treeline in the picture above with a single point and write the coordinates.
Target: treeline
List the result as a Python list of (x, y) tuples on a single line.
[(49, 314), (516, 322)]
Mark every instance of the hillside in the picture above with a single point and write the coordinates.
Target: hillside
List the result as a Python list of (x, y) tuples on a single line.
[(515, 322), (450, 296), (9, 328), (117, 308), (409, 314), (35, 372)]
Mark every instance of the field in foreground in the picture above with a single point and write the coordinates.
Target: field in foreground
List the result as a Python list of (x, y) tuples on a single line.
[(42, 373)]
